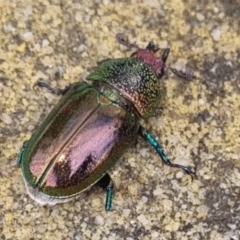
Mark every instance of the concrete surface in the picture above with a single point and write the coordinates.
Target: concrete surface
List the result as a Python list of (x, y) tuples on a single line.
[(61, 42)]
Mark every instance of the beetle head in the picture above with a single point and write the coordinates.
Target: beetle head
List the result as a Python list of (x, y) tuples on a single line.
[(147, 54)]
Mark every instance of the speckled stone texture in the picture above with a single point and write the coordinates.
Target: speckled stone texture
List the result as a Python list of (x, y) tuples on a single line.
[(61, 42)]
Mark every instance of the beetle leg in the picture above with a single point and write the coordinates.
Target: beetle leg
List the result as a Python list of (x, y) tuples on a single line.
[(106, 184), (186, 75), (121, 38), (56, 91), (148, 136), (19, 158)]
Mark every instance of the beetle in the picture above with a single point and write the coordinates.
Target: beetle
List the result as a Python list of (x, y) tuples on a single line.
[(92, 125)]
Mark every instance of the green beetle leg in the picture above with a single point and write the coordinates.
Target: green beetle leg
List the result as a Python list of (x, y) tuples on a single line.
[(20, 155), (56, 91), (106, 184), (147, 136)]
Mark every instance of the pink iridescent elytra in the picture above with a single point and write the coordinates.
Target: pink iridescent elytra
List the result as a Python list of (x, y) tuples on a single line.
[(76, 145)]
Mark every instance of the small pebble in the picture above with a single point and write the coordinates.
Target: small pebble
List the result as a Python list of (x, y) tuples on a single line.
[(99, 220), (216, 34), (6, 118)]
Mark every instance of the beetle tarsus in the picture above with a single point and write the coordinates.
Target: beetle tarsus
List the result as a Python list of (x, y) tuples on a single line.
[(109, 195), (148, 136), (106, 184), (56, 91)]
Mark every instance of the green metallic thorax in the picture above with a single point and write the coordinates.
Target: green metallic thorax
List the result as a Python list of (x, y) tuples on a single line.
[(134, 79)]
